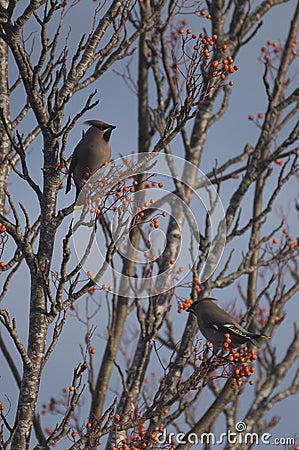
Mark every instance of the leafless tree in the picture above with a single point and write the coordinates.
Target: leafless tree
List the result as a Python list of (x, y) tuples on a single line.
[(183, 88)]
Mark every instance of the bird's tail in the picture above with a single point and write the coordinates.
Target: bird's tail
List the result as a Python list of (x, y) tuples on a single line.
[(258, 339), (260, 336)]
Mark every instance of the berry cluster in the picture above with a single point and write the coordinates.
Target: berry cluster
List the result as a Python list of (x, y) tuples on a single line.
[(219, 68), (288, 239), (235, 364), (185, 305), (121, 192), (273, 49), (240, 368), (196, 284), (140, 438)]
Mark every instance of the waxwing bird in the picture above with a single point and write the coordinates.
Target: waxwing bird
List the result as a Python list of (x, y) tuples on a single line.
[(90, 154), (214, 323)]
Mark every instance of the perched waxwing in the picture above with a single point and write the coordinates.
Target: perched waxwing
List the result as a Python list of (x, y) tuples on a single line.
[(214, 323), (90, 154)]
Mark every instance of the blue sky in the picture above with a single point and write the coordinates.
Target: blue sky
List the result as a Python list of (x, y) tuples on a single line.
[(118, 106)]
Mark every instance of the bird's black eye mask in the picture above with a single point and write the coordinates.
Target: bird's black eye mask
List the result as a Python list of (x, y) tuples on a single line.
[(107, 133)]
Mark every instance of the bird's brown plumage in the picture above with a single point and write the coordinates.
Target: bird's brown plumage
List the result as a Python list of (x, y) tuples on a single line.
[(90, 154), (214, 323)]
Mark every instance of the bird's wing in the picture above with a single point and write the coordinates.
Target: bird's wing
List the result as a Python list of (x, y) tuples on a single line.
[(71, 170), (224, 328), (239, 331), (231, 328), (212, 320)]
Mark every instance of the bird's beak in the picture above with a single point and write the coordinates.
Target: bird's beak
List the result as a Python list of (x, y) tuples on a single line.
[(191, 309)]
